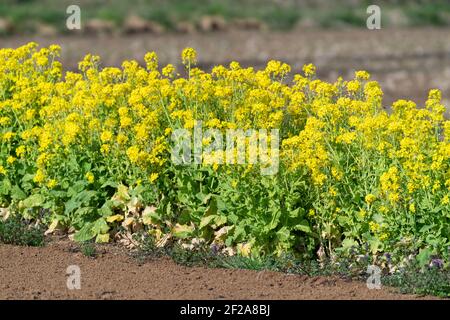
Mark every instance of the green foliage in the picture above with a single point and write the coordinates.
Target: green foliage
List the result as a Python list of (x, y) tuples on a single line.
[(17, 231), (429, 281), (276, 14), (433, 13), (88, 249)]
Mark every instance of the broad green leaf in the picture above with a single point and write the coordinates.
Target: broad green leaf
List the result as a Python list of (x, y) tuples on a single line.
[(17, 193), (100, 226), (303, 226), (182, 231), (205, 221), (33, 201), (423, 258), (85, 233)]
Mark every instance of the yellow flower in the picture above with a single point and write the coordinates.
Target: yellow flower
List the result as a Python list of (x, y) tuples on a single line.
[(244, 249), (167, 131), (2, 170), (133, 153), (106, 136), (153, 177), (383, 236), (353, 86), (168, 70), (90, 177), (309, 70), (347, 137), (337, 174), (374, 227), (362, 75), (189, 56), (121, 139), (8, 135), (445, 200), (370, 198), (10, 160), (39, 177), (151, 59), (20, 151), (362, 213), (4, 121), (105, 148), (333, 192), (125, 122), (52, 183)]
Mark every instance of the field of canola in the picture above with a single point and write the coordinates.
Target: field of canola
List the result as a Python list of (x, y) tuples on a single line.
[(88, 153)]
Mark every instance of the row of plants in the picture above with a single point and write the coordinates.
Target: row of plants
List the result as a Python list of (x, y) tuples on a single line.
[(89, 153), (412, 279)]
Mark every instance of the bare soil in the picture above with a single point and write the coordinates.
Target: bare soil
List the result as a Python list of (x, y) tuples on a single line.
[(40, 273)]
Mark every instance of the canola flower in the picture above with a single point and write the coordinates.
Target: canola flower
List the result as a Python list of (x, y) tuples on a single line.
[(350, 171)]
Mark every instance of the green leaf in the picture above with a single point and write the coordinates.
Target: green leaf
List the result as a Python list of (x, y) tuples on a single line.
[(423, 258), (100, 226), (85, 233), (349, 243), (28, 177), (207, 220), (33, 201), (283, 234), (110, 184), (79, 200), (344, 221), (294, 213), (5, 187), (375, 245), (106, 211), (17, 193), (182, 231), (303, 226), (220, 220)]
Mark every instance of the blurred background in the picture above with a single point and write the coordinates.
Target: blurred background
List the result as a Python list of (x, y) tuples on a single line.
[(409, 55)]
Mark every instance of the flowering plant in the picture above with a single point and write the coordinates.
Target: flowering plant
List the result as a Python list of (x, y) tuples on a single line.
[(89, 152)]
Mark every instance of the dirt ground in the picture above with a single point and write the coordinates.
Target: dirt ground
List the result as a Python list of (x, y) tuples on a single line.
[(407, 62), (40, 273)]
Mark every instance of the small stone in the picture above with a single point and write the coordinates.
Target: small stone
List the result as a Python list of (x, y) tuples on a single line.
[(212, 23), (98, 26), (6, 26), (46, 30), (249, 24), (136, 24), (185, 27)]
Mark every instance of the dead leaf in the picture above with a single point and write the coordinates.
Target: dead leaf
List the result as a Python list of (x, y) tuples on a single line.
[(102, 238), (163, 241), (54, 226), (220, 234), (5, 213), (134, 206), (146, 215), (127, 223)]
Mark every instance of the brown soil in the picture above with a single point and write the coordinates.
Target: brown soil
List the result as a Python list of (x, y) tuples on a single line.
[(40, 273)]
